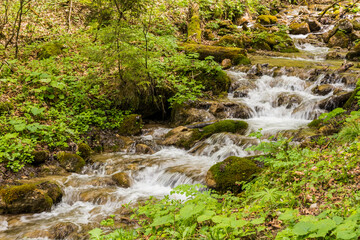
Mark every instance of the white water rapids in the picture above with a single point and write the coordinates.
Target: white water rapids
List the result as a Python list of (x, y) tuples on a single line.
[(90, 196)]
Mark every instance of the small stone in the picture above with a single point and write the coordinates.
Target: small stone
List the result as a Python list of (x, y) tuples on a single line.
[(144, 149), (226, 63), (122, 179)]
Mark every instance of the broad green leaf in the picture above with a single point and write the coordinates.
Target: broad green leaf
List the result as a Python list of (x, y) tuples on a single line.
[(346, 234), (33, 127), (20, 127), (289, 214), (45, 80), (163, 220), (187, 211), (338, 220), (206, 216), (238, 223), (302, 228), (258, 221), (36, 111)]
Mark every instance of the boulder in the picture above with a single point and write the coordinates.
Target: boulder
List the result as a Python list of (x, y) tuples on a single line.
[(178, 136), (226, 63), (242, 88), (232, 126), (299, 28), (333, 55), (29, 198), (314, 25), (122, 179), (225, 175), (71, 162), (229, 41), (322, 90), (339, 39), (184, 116), (230, 110), (356, 24), (84, 151), (237, 55), (288, 100), (143, 149), (63, 230), (335, 101)]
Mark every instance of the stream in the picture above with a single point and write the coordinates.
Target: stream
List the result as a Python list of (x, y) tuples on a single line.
[(91, 196)]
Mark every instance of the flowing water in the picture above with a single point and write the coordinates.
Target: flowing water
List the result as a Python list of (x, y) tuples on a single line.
[(91, 196)]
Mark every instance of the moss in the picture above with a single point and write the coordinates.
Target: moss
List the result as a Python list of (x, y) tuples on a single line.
[(217, 82), (232, 170), (50, 50), (6, 107), (71, 162), (15, 193), (209, 35), (356, 24), (241, 60), (229, 41), (219, 53), (85, 150), (131, 125), (194, 29), (340, 39), (225, 126), (315, 123), (267, 19)]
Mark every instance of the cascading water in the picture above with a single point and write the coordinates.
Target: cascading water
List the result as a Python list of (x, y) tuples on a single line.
[(277, 103)]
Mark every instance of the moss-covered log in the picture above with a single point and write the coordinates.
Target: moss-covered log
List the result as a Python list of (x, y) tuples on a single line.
[(236, 55)]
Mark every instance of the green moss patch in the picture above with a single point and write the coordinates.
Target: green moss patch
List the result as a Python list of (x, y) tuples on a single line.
[(131, 125), (194, 30), (267, 19), (226, 174), (50, 50), (71, 162)]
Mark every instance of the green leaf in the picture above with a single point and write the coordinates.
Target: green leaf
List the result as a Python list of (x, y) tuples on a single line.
[(302, 228), (45, 80), (258, 221), (338, 220), (346, 234), (20, 127), (289, 214), (238, 223), (187, 211), (95, 234), (206, 216), (36, 111), (163, 220)]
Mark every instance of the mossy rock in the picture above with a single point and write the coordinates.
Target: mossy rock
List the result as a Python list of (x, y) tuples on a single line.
[(194, 30), (29, 198), (40, 157), (71, 162), (299, 28), (354, 54), (231, 126), (267, 19), (356, 24), (6, 107), (122, 179), (131, 125), (50, 50), (84, 151), (224, 176), (209, 35), (229, 41), (316, 123), (219, 53), (340, 39)]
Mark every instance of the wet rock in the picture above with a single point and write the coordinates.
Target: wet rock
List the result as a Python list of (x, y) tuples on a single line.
[(255, 70), (322, 90), (226, 64), (299, 28), (43, 234), (335, 101), (177, 136), (85, 151), (184, 116), (238, 110), (314, 25), (46, 170), (224, 175), (97, 196), (29, 198), (64, 230), (40, 157), (267, 19), (339, 39), (71, 162), (288, 100), (122, 179), (143, 149)]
